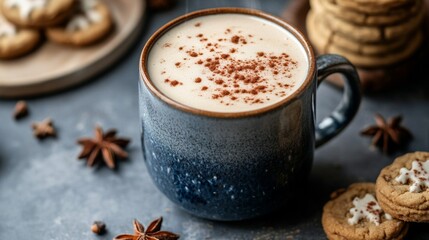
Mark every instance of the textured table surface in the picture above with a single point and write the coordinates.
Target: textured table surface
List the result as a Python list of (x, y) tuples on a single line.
[(45, 193)]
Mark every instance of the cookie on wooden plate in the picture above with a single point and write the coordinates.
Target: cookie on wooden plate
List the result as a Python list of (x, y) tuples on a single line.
[(402, 188), (354, 213), (14, 41), (37, 13), (90, 24)]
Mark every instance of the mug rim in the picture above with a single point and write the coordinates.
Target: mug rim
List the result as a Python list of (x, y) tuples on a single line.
[(144, 74)]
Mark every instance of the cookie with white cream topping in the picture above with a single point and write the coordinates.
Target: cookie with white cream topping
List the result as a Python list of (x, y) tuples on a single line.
[(402, 188), (356, 214), (90, 24), (15, 41), (37, 13)]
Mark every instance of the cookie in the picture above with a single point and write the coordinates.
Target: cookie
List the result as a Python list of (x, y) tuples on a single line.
[(374, 6), (37, 13), (371, 34), (362, 55), (330, 38), (402, 188), (14, 41), (354, 214), (91, 24), (352, 16)]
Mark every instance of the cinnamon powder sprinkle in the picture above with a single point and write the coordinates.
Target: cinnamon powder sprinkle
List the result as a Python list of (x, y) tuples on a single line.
[(235, 39), (193, 54), (173, 83), (236, 79)]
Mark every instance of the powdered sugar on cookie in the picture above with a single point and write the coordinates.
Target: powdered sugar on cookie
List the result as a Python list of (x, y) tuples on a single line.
[(6, 28), (88, 16), (25, 7), (418, 175), (366, 207)]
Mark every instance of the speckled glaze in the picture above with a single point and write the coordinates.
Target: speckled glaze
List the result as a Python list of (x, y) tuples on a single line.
[(235, 166)]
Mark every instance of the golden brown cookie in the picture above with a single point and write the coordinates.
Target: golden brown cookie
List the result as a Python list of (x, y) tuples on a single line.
[(37, 13), (362, 55), (91, 24), (371, 34), (14, 41), (354, 213), (374, 6), (330, 38), (349, 15), (402, 188)]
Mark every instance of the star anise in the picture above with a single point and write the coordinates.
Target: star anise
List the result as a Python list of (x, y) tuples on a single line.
[(44, 129), (388, 135), (153, 232), (104, 147)]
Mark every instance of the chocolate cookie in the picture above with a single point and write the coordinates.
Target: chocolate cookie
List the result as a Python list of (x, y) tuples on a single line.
[(92, 23), (402, 188), (37, 13), (355, 214), (14, 41), (352, 16)]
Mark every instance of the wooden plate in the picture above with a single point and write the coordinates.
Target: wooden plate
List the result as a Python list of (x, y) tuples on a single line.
[(54, 67)]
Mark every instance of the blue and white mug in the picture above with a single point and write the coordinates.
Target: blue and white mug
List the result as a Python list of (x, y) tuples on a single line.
[(235, 166)]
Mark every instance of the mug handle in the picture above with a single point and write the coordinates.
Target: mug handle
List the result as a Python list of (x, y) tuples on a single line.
[(330, 126)]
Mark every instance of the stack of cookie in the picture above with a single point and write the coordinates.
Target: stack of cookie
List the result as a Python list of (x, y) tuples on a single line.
[(70, 22), (381, 210), (372, 34)]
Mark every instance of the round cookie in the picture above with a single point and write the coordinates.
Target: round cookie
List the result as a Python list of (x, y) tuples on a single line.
[(371, 34), (323, 41), (402, 188), (355, 214), (355, 17), (330, 38), (91, 24), (15, 42), (375, 6), (37, 13)]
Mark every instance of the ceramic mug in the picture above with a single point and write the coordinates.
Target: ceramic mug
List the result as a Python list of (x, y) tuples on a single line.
[(234, 166)]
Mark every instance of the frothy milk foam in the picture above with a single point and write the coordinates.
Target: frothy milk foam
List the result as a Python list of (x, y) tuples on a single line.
[(227, 63)]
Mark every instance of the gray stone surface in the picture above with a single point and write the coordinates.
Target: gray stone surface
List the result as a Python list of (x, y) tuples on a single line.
[(45, 193)]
